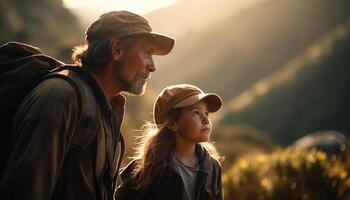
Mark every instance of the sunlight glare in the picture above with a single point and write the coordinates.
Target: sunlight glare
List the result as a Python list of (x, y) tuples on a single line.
[(141, 7)]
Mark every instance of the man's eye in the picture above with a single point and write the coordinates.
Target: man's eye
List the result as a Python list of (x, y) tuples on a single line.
[(195, 113), (150, 51)]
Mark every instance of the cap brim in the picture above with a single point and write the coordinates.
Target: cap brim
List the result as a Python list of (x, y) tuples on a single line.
[(162, 44), (214, 102)]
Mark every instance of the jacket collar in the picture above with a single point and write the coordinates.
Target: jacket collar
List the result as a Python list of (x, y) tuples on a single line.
[(204, 160), (118, 101)]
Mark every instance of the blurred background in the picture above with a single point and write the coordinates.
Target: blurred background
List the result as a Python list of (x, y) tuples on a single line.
[(281, 66)]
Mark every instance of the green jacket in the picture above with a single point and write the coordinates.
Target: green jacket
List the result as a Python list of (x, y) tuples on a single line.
[(167, 183), (51, 157)]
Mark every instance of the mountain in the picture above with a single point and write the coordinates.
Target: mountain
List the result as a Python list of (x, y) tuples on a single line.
[(180, 18), (232, 54), (190, 15), (311, 93), (44, 23), (281, 66)]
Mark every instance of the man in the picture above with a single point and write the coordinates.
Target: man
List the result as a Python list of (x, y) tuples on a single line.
[(57, 153)]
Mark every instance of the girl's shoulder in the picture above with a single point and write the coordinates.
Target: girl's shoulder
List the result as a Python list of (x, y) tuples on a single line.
[(216, 162), (208, 153), (127, 171), (208, 161), (216, 165)]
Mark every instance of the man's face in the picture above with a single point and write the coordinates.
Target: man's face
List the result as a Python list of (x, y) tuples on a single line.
[(135, 66)]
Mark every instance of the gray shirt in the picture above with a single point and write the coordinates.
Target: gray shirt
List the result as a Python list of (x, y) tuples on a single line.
[(188, 175)]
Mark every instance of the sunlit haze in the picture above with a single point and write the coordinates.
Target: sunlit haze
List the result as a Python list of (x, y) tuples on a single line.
[(138, 6)]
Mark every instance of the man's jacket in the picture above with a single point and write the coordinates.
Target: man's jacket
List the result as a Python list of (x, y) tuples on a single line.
[(167, 183), (47, 161)]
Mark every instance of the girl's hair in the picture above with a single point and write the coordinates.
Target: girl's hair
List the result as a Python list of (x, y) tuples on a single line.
[(154, 147)]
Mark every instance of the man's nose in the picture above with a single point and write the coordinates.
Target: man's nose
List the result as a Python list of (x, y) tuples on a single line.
[(151, 66)]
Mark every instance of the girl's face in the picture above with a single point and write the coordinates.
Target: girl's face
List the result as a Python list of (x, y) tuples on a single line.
[(193, 123)]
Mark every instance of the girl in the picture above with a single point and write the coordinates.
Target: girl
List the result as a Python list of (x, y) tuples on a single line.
[(174, 159)]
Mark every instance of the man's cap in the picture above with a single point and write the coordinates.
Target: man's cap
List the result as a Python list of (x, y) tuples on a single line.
[(180, 96), (123, 23)]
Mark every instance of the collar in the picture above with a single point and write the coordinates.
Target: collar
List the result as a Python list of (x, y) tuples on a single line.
[(204, 160), (117, 102)]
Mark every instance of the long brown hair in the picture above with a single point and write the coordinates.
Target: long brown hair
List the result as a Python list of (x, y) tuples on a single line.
[(154, 147)]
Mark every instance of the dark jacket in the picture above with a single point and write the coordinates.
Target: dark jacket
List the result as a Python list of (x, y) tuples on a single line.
[(167, 183), (45, 163)]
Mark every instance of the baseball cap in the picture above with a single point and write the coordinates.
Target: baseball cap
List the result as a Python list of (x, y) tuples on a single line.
[(123, 23), (179, 96)]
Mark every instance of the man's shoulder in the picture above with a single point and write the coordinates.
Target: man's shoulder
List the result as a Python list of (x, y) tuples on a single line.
[(66, 83), (55, 87)]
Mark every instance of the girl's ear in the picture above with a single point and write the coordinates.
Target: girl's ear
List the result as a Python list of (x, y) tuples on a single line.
[(172, 126), (115, 48)]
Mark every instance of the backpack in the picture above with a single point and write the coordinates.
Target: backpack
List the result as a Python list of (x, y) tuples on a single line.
[(22, 67)]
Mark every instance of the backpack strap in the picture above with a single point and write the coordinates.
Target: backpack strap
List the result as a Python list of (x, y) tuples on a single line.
[(88, 122), (89, 118), (86, 129)]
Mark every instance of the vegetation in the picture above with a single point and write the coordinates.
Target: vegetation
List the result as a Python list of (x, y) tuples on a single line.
[(287, 174)]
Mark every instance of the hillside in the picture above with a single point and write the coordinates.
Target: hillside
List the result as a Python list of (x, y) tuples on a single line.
[(311, 93), (44, 23), (191, 15), (229, 56)]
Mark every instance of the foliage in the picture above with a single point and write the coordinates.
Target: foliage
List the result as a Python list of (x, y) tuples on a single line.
[(287, 174)]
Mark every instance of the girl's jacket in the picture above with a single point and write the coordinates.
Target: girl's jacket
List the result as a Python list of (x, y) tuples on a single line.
[(167, 183)]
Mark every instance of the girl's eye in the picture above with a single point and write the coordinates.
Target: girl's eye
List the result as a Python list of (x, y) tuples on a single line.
[(207, 114), (195, 113)]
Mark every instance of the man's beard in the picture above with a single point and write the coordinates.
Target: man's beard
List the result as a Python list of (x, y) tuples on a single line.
[(134, 86), (131, 85)]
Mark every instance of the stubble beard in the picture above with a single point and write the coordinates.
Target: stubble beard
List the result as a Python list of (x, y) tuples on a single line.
[(135, 86), (131, 85)]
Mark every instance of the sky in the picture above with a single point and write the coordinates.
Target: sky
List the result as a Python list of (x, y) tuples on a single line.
[(138, 6)]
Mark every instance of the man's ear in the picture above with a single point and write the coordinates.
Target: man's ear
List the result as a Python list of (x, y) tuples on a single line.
[(115, 48), (172, 126)]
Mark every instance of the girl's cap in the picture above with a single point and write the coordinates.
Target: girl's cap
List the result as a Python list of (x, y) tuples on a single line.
[(179, 96)]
